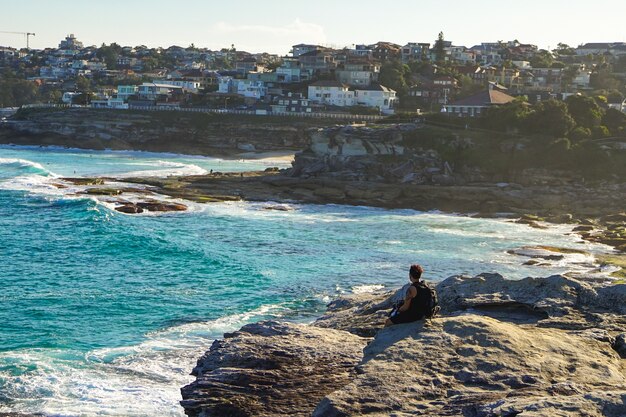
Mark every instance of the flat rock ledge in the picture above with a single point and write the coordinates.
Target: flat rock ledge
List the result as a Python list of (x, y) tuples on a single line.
[(552, 346)]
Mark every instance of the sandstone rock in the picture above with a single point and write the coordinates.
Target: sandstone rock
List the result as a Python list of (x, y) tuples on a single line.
[(471, 365), (539, 346), (271, 369)]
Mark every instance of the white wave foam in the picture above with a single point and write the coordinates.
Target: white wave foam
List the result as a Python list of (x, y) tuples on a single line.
[(365, 289), (37, 184), (24, 163), (171, 168), (139, 380)]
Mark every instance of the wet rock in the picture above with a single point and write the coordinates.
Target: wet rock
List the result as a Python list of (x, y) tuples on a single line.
[(278, 207), (583, 228), (618, 217), (103, 191), (129, 208), (549, 253), (161, 206), (85, 181)]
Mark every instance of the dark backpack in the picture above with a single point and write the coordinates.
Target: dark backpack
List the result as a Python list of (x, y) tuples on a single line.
[(427, 298)]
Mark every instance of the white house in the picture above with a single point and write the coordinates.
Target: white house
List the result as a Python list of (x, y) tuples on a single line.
[(109, 103), (247, 88), (226, 85), (152, 91), (68, 96), (331, 93), (187, 86), (251, 89), (377, 96)]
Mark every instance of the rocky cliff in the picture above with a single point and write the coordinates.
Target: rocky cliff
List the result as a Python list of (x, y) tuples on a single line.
[(179, 132), (551, 346)]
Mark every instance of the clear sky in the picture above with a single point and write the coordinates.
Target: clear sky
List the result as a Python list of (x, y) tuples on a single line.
[(275, 25)]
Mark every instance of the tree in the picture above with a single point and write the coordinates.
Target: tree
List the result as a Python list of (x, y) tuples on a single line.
[(392, 75), (512, 115), (440, 52), (568, 75), (551, 118), (15, 92), (83, 83), (109, 54), (614, 96), (564, 49), (542, 59), (615, 121), (468, 87), (603, 79), (584, 110)]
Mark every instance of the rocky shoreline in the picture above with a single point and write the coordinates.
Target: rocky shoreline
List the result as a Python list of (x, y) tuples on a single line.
[(536, 347)]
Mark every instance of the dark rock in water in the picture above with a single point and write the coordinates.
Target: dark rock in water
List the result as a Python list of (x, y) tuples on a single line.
[(272, 369), (140, 207), (161, 206), (278, 207), (620, 217), (85, 181), (583, 228), (129, 209), (531, 223), (103, 191)]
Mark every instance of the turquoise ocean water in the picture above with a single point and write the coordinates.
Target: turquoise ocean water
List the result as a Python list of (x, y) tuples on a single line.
[(103, 313)]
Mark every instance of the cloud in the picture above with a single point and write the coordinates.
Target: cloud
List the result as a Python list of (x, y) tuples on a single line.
[(265, 38)]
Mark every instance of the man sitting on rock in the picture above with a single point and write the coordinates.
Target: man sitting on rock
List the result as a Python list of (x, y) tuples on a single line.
[(420, 300)]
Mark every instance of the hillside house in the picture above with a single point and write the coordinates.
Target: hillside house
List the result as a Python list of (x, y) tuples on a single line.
[(291, 71), (303, 48), (159, 92), (474, 105), (331, 93), (414, 51), (358, 72), (317, 62), (384, 51), (124, 92), (376, 96), (292, 103)]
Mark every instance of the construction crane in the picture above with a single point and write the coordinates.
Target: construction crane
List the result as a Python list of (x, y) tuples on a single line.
[(27, 34)]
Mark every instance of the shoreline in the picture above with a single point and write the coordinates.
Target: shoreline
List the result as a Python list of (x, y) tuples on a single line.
[(603, 221)]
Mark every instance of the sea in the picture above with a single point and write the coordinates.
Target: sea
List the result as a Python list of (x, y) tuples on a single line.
[(105, 314)]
